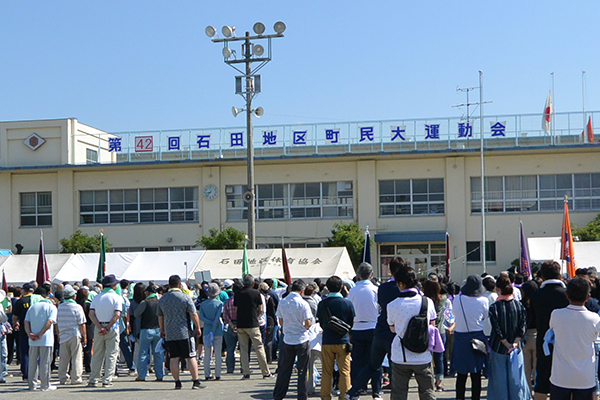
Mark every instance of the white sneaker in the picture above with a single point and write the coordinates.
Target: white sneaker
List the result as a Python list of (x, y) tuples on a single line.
[(49, 389)]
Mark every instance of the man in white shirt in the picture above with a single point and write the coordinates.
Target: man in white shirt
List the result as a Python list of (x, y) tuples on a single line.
[(105, 312), (295, 318), (364, 299), (71, 331), (39, 323), (575, 330), (405, 363)]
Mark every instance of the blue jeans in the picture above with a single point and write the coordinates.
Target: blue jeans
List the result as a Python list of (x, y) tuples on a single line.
[(148, 341), (3, 357), (438, 359), (231, 340), (24, 348), (124, 345)]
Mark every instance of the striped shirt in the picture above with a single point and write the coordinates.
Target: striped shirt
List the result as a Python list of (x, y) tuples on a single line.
[(70, 316), (508, 322)]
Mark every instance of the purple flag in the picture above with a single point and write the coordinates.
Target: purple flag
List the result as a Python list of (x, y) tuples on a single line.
[(42, 274), (525, 263)]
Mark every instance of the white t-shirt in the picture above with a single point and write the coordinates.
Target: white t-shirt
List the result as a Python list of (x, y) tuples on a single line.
[(105, 304), (487, 324), (476, 310), (399, 312), (364, 299), (573, 361)]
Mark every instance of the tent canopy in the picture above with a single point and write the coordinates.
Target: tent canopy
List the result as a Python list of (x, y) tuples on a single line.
[(23, 268), (321, 262), (542, 249), (158, 266)]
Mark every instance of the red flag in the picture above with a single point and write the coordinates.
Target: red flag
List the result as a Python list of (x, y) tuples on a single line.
[(4, 283), (547, 114), (42, 267), (589, 131), (567, 251), (448, 256), (287, 277)]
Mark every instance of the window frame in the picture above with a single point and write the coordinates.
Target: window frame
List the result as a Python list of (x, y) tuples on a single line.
[(38, 210), (406, 199), (290, 201), (131, 206), (582, 189)]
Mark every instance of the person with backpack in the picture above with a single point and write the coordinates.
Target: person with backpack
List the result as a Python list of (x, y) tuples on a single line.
[(409, 318)]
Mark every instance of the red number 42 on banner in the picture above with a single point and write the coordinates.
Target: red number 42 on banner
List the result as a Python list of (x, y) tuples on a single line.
[(144, 144)]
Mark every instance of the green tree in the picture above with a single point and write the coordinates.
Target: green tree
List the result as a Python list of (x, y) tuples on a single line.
[(80, 242), (351, 237), (590, 232), (229, 238)]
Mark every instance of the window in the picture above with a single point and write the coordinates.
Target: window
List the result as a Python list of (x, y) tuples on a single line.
[(293, 201), (138, 206), (411, 197), (474, 251), (537, 193), (36, 209), (91, 156)]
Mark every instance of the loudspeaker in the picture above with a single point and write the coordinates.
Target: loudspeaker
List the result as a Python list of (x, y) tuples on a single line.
[(248, 197)]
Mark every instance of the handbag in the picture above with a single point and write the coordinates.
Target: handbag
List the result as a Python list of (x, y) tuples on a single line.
[(336, 324), (477, 346)]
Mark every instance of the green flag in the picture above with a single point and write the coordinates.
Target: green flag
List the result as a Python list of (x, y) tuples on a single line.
[(245, 266), (102, 261)]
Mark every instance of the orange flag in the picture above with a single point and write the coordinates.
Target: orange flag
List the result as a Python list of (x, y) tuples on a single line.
[(589, 131), (567, 252)]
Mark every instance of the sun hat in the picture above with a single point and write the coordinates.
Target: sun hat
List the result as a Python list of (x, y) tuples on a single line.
[(473, 286), (109, 280), (213, 290)]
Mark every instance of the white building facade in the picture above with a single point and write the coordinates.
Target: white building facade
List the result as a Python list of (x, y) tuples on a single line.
[(415, 183)]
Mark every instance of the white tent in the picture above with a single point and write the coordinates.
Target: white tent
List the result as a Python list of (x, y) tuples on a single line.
[(86, 266), (321, 262), (542, 249), (159, 266), (23, 267)]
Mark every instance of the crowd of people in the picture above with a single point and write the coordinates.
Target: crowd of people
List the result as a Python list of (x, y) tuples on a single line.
[(529, 337)]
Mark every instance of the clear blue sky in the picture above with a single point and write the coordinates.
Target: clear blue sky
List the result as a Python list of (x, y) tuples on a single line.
[(145, 65)]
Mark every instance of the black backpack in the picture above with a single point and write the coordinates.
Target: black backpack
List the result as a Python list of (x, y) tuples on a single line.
[(416, 337)]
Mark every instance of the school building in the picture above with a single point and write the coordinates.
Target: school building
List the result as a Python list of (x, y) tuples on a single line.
[(414, 183)]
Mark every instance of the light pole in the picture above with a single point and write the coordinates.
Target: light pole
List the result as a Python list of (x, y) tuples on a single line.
[(251, 53)]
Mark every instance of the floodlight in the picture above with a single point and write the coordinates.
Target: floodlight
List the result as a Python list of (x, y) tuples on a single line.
[(259, 112), (259, 28), (279, 27), (228, 30), (258, 50), (227, 52), (210, 31), (236, 111)]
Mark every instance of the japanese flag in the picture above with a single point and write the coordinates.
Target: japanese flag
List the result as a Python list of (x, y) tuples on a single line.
[(547, 114)]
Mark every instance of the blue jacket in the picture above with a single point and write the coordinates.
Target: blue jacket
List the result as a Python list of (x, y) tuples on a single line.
[(210, 313)]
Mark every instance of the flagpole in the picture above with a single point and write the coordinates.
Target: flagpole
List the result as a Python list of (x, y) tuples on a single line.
[(552, 128), (482, 247), (585, 139)]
